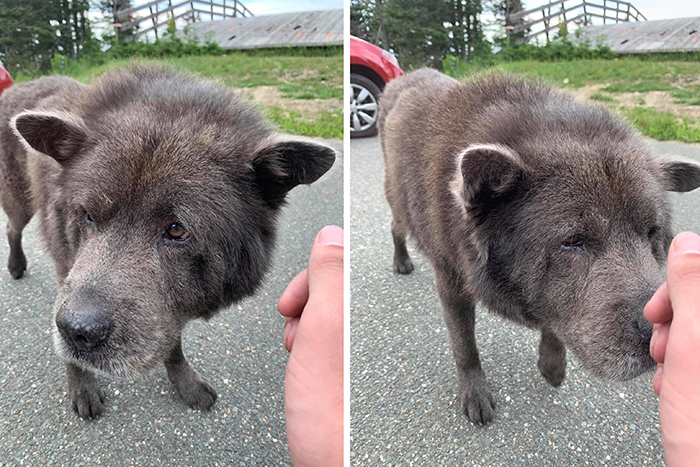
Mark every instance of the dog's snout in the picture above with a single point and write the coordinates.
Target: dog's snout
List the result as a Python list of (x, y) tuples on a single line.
[(83, 327), (645, 327)]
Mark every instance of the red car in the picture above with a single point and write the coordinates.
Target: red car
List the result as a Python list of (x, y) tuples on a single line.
[(370, 69), (5, 79)]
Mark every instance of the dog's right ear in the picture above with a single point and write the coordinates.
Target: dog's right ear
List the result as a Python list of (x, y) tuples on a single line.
[(56, 134), (285, 163), (485, 173), (679, 175)]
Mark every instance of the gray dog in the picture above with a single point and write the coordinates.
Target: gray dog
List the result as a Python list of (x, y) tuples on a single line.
[(157, 196), (550, 212)]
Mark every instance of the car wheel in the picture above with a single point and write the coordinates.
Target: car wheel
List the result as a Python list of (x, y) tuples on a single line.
[(364, 94)]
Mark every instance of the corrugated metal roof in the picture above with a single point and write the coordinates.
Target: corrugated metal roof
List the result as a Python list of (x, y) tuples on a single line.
[(669, 35), (310, 29)]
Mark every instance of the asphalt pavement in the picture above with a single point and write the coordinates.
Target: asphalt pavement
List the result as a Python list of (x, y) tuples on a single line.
[(404, 406), (145, 423)]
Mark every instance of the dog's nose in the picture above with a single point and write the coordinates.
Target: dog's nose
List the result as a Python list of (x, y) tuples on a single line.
[(645, 328), (82, 326)]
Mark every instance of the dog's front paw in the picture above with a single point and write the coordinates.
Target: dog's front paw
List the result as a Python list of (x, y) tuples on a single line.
[(17, 264), (478, 403), (87, 400), (553, 368), (403, 265), (552, 361), (196, 391)]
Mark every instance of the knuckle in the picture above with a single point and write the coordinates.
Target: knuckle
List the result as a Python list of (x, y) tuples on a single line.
[(330, 258), (686, 269)]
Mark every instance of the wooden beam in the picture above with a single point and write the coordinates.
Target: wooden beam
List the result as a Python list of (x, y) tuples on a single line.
[(522, 14), (123, 13), (602, 16), (523, 40), (145, 18), (524, 26), (133, 37)]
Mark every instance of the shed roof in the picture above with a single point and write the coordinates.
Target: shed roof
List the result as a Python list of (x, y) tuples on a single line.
[(668, 35), (309, 29)]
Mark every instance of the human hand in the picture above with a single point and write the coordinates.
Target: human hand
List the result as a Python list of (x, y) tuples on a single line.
[(313, 335), (675, 345)]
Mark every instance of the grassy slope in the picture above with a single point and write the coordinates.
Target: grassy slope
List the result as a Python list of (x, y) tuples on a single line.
[(295, 77), (627, 74)]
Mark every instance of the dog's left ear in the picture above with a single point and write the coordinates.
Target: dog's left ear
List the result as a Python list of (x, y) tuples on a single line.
[(57, 134), (282, 165), (679, 175)]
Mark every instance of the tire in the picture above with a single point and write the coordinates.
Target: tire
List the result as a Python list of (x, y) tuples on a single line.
[(363, 112)]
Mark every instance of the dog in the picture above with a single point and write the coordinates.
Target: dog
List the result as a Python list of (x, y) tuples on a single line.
[(157, 195), (550, 212)]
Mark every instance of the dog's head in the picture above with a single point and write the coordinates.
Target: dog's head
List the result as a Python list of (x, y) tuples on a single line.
[(576, 240), (161, 208)]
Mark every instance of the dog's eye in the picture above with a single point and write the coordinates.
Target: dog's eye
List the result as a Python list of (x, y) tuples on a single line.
[(177, 232), (652, 232), (88, 219), (574, 241)]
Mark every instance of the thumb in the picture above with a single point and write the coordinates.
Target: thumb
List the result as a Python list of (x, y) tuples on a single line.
[(683, 278), (326, 263)]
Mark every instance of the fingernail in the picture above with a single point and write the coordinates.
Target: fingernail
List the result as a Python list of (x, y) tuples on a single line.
[(285, 334), (659, 369), (331, 235), (653, 342), (686, 242)]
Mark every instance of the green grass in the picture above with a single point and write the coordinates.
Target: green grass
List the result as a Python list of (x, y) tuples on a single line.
[(598, 96), (327, 125), (297, 74), (621, 75), (663, 126), (625, 71), (688, 96)]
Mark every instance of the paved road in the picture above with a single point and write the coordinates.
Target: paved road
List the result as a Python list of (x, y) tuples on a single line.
[(404, 385), (145, 423)]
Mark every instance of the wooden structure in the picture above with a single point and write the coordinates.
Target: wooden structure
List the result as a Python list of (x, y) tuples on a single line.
[(668, 35), (160, 12), (579, 12), (306, 29)]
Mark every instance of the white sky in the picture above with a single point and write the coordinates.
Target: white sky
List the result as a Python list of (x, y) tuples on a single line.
[(291, 6), (667, 9)]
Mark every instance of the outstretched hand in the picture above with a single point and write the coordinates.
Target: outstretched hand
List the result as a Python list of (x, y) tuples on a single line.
[(313, 334), (675, 345)]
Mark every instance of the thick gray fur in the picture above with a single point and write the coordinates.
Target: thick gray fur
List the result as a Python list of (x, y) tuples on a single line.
[(551, 212), (109, 169)]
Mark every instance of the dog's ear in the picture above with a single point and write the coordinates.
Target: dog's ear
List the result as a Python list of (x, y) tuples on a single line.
[(485, 173), (59, 135), (679, 175), (282, 165)]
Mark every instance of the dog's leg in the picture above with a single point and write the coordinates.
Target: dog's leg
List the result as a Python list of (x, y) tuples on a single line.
[(552, 361), (86, 397), (402, 261), (196, 391), (17, 262), (458, 311)]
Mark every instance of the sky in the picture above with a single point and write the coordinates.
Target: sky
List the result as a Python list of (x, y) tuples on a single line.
[(291, 6), (666, 9)]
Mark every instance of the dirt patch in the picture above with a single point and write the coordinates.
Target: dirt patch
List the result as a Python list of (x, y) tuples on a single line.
[(585, 92), (292, 76), (271, 97), (659, 100), (304, 73)]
